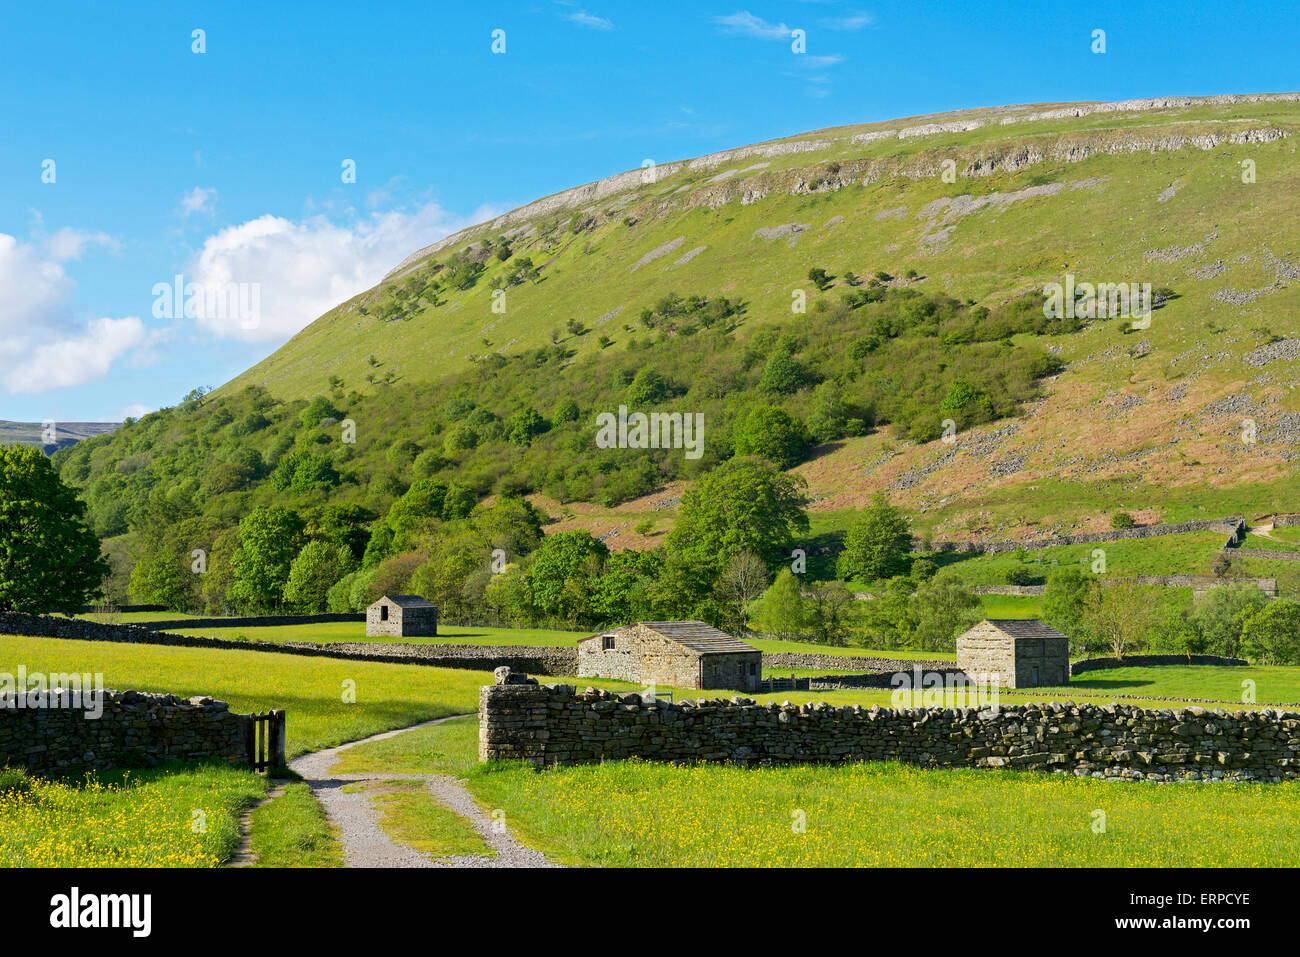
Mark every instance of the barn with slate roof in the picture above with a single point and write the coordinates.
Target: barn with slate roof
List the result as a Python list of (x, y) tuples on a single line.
[(1015, 653), (679, 654), (402, 616)]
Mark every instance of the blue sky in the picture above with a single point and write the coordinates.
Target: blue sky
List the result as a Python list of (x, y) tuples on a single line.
[(226, 165)]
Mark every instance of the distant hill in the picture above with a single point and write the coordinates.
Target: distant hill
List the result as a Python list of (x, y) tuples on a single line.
[(921, 248), (63, 434)]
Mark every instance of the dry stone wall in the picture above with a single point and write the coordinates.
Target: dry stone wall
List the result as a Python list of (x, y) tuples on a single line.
[(1231, 526), (558, 725), (542, 660), (40, 732)]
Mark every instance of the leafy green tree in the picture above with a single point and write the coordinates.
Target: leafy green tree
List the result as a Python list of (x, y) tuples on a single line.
[(648, 388), (624, 592), (1221, 615), (833, 612), (269, 539), (877, 543), (828, 418), (318, 567), (49, 558), (966, 405), (1065, 604), (524, 425), (783, 373), (563, 570), (744, 504), (1271, 635), (887, 620), (566, 411), (771, 433), (782, 611), (941, 609), (509, 596)]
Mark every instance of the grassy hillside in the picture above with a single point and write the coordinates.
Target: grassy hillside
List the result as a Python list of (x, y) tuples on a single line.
[(672, 290)]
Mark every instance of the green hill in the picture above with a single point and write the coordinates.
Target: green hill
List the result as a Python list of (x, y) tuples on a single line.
[(921, 248)]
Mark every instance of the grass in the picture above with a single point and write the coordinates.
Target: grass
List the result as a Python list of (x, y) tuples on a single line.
[(1189, 553), (292, 831), (409, 815), (447, 748), (644, 814), (161, 817), (311, 690)]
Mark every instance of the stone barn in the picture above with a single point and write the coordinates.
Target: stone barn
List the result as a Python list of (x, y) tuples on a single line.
[(679, 654), (402, 616), (1018, 653)]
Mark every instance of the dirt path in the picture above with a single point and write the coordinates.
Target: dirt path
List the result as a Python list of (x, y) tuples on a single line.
[(366, 845)]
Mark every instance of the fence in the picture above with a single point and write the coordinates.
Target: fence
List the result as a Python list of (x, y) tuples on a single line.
[(265, 740)]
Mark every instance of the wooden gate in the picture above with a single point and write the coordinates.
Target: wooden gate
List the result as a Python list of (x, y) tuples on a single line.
[(265, 740)]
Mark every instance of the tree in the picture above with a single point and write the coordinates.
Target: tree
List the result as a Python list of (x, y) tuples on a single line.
[(523, 425), (1122, 615), (1271, 635), (49, 557), (877, 543), (942, 609), (564, 568), (966, 405), (269, 538), (318, 567), (783, 373), (828, 419), (772, 434), (831, 611), (1221, 615), (648, 388), (741, 505), (781, 612), (743, 580), (1065, 604)]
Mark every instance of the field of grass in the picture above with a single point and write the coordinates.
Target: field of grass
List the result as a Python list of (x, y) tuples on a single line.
[(1011, 606), (643, 814), (292, 831), (311, 690), (1193, 553), (161, 817)]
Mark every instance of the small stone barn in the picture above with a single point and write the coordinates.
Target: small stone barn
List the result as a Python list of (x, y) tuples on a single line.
[(1018, 653), (680, 654), (402, 616)]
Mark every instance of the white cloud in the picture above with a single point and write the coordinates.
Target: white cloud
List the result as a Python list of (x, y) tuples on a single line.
[(745, 23), (135, 410), (77, 359), (303, 269), (42, 346), (198, 200), (584, 19), (856, 21), (69, 243)]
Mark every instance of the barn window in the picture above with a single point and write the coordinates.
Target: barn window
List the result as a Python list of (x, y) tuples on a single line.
[(607, 643), (383, 613), (753, 669)]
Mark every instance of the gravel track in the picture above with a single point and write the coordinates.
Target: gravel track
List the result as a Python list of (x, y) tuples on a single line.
[(366, 845)]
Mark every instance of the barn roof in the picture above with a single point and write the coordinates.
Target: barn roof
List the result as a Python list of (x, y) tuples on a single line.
[(407, 601), (1024, 628), (698, 636)]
